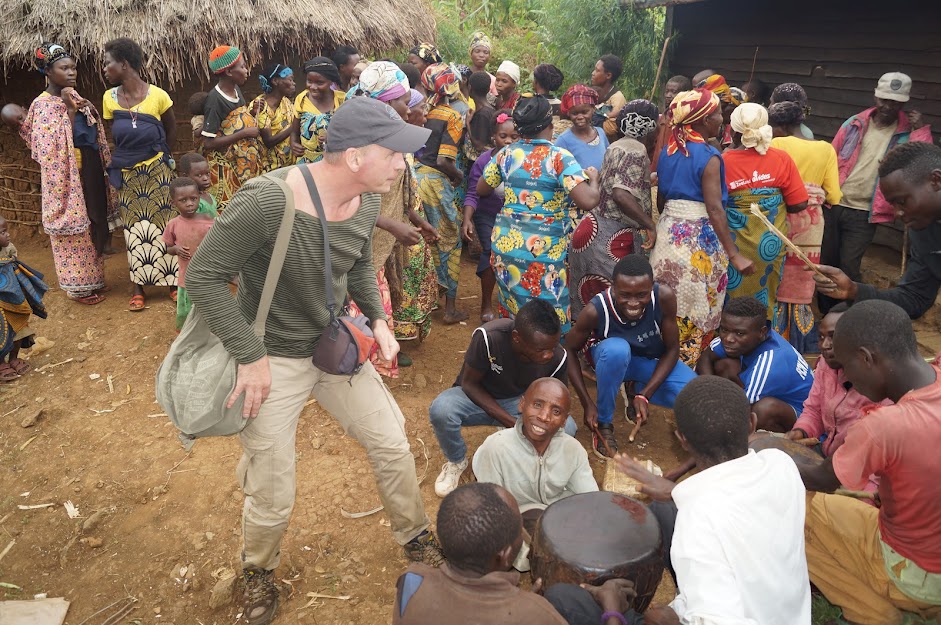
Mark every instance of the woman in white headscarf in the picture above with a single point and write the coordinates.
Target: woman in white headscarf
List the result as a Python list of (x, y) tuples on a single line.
[(757, 173)]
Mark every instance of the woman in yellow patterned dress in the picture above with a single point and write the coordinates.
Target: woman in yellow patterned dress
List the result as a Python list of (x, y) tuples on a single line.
[(230, 132), (314, 108), (143, 128), (274, 112)]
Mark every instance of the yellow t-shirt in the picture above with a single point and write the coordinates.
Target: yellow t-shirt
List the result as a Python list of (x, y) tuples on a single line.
[(156, 103), (816, 162)]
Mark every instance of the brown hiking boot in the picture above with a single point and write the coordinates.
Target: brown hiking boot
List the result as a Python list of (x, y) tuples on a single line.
[(425, 548), (261, 597)]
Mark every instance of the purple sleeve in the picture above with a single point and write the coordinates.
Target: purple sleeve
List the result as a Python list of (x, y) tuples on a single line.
[(477, 170)]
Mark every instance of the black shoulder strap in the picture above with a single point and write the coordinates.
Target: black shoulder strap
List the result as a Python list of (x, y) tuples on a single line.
[(328, 272)]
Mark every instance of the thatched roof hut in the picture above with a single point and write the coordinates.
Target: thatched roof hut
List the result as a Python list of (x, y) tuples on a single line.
[(177, 36)]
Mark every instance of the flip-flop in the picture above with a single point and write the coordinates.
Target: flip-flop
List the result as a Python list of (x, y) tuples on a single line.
[(136, 304), (20, 366), (89, 300), (7, 373)]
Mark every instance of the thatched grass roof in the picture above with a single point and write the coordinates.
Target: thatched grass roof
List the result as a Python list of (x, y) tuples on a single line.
[(178, 34)]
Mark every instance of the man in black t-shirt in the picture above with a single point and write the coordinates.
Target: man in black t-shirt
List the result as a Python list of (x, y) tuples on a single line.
[(505, 356)]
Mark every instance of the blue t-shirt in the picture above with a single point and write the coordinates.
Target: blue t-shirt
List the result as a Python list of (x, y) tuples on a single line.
[(586, 155), (680, 177), (773, 369)]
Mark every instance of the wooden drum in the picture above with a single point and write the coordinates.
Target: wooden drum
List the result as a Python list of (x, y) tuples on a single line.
[(800, 454), (593, 537)]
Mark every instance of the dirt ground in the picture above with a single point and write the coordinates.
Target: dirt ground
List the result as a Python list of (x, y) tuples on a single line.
[(161, 525)]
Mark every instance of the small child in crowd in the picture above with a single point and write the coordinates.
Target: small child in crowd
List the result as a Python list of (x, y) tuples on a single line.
[(195, 166), (481, 213), (21, 293), (13, 116), (183, 235), (195, 106)]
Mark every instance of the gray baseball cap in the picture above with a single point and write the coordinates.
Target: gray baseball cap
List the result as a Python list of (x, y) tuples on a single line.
[(362, 121)]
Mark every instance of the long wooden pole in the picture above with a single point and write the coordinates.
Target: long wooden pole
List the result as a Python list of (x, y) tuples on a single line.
[(656, 80)]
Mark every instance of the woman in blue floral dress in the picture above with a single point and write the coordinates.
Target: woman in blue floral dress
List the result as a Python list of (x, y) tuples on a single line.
[(531, 234)]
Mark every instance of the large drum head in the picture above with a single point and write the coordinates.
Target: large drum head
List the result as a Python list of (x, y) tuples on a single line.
[(800, 454), (593, 537)]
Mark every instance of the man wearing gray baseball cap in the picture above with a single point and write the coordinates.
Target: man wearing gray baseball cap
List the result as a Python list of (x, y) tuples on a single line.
[(364, 155), (860, 144)]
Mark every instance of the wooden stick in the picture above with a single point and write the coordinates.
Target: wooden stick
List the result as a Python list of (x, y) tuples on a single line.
[(756, 211), (807, 442), (754, 62), (656, 80), (601, 438), (635, 430)]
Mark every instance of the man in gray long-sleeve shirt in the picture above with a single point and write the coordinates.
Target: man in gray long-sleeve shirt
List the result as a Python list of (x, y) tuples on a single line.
[(910, 178), (276, 374)]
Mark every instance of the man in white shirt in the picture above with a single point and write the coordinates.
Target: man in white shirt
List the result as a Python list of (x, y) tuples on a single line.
[(738, 542)]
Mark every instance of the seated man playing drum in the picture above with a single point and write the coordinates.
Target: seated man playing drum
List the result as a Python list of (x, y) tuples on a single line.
[(536, 461), (738, 540), (481, 530), (631, 333), (505, 356), (776, 378), (878, 563)]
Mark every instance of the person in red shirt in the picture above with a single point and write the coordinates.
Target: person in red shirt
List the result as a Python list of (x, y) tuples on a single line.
[(876, 563), (833, 404)]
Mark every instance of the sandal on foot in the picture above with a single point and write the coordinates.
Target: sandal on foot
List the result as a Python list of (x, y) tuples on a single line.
[(136, 304), (457, 316), (20, 366), (7, 373), (89, 300)]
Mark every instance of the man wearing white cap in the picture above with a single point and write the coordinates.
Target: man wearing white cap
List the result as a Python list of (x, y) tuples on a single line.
[(860, 144), (364, 156)]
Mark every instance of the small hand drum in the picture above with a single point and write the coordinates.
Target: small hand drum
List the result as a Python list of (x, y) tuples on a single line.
[(593, 537)]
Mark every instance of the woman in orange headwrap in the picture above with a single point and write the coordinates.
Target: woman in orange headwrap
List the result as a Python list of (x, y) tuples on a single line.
[(694, 247)]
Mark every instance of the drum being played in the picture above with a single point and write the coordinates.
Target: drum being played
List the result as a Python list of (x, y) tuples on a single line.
[(800, 454), (593, 537)]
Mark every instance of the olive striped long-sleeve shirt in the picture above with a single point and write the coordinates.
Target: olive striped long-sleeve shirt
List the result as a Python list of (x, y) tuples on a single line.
[(241, 243)]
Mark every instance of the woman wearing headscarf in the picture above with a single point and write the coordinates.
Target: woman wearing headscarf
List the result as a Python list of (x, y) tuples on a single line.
[(505, 83), (622, 223), (438, 178), (730, 99), (314, 108), (480, 50), (65, 135), (531, 234), (758, 174), (694, 247), (274, 111), (230, 132), (144, 129), (423, 55), (401, 229), (817, 164), (587, 143)]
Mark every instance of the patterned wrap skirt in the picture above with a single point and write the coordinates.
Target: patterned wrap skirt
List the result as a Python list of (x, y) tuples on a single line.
[(144, 204)]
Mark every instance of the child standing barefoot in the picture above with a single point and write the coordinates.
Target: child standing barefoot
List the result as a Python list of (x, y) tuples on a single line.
[(183, 235), (480, 213), (195, 166), (21, 293)]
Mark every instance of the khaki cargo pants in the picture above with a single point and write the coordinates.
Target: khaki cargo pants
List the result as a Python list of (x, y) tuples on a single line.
[(365, 409)]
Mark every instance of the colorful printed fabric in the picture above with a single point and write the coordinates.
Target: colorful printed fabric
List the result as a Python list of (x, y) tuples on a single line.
[(480, 40), (384, 367), (577, 95), (606, 234), (441, 82), (718, 85), (223, 57), (805, 229), (79, 268), (437, 197), (692, 341), (686, 109), (238, 163), (275, 120), (21, 292), (690, 260), (314, 125), (426, 52), (382, 80), (772, 182), (531, 234), (144, 200), (797, 324), (267, 77), (48, 54)]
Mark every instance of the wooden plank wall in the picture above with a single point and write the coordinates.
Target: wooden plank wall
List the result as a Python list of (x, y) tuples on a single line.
[(836, 49)]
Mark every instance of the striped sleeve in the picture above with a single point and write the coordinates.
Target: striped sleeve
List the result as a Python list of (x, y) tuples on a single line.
[(758, 376)]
